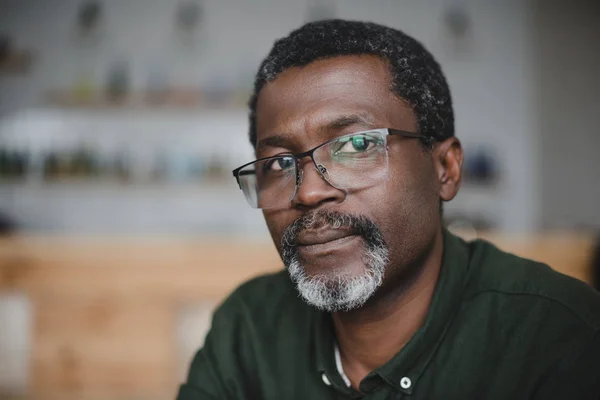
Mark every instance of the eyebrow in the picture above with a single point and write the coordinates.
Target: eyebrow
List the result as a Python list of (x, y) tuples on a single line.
[(336, 124), (345, 121), (271, 141)]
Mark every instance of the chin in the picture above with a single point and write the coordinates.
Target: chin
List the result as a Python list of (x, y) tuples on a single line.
[(339, 274), (333, 272), (335, 291)]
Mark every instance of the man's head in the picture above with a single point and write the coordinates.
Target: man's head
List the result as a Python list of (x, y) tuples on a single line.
[(415, 75), (344, 243)]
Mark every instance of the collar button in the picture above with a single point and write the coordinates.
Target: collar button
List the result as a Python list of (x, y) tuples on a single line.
[(325, 380), (405, 383)]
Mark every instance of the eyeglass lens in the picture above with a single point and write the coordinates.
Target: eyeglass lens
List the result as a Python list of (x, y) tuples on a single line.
[(350, 162)]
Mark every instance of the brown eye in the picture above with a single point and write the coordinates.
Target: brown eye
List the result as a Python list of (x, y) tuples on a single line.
[(280, 164), (355, 144)]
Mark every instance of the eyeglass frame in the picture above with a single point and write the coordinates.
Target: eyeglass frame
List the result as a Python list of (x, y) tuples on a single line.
[(297, 157)]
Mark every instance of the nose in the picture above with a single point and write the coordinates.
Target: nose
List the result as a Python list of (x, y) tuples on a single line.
[(314, 189)]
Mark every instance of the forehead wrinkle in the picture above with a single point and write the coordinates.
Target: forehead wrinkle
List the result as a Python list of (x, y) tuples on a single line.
[(334, 125), (344, 121)]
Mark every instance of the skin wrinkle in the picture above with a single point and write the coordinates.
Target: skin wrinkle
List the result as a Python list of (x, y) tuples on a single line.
[(281, 140)]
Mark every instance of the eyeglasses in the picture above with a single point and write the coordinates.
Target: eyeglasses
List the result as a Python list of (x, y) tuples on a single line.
[(350, 162)]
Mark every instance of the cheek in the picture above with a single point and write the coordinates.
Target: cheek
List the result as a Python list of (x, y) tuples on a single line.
[(409, 190), (273, 229), (410, 214), (277, 221)]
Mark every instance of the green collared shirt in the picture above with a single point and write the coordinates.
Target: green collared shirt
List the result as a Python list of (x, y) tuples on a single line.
[(499, 327)]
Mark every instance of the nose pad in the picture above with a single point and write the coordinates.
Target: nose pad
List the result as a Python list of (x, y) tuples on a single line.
[(299, 177), (325, 174), (322, 170)]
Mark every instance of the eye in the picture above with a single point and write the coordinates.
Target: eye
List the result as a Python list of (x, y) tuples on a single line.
[(355, 144), (279, 164)]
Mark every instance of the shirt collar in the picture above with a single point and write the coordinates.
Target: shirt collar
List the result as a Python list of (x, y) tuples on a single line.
[(325, 354), (412, 360)]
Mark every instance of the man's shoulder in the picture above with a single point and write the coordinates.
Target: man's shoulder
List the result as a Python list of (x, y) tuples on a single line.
[(498, 273)]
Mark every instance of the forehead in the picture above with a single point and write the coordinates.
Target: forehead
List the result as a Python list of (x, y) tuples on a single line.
[(302, 102)]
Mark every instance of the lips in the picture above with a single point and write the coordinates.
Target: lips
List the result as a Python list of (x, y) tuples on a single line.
[(323, 236), (324, 241), (328, 240)]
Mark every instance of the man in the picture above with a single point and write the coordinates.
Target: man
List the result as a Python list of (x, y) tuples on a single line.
[(353, 130)]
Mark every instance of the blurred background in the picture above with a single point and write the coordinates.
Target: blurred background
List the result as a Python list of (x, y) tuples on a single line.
[(120, 123)]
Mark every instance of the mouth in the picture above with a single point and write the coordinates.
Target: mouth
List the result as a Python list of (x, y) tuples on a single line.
[(325, 241)]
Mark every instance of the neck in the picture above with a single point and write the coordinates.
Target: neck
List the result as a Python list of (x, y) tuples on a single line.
[(370, 336)]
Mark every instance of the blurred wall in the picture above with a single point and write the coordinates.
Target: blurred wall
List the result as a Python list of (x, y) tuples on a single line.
[(568, 101), (489, 65)]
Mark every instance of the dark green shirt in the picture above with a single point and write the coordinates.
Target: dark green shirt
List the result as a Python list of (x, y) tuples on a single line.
[(499, 327)]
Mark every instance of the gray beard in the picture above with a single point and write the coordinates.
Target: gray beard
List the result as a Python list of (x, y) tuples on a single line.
[(339, 292)]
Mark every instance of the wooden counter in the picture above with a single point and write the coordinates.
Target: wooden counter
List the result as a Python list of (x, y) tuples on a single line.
[(107, 311)]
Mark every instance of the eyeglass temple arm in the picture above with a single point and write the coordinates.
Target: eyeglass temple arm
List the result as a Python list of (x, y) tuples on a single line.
[(410, 134)]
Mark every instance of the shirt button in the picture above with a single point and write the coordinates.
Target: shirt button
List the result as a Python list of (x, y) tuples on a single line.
[(326, 380), (405, 383)]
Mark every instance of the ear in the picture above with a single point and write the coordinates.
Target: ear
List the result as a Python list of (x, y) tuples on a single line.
[(448, 160)]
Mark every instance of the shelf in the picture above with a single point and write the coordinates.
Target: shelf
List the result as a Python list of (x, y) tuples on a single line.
[(82, 185), (175, 99)]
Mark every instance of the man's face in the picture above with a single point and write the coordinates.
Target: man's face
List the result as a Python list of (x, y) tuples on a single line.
[(306, 106)]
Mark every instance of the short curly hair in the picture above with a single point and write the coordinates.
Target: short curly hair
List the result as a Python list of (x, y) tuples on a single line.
[(416, 75)]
